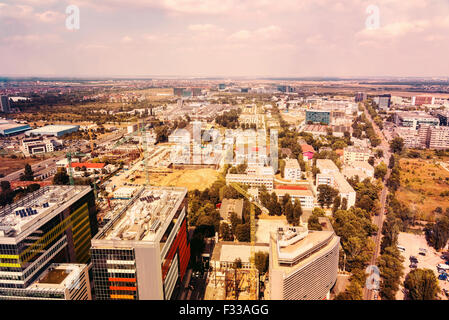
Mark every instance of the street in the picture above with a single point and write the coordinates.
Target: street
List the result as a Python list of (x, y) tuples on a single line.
[(378, 220)]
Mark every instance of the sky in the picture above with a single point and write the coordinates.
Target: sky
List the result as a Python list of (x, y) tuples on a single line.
[(225, 38)]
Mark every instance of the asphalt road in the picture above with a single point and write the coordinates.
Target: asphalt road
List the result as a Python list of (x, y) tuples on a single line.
[(379, 219)]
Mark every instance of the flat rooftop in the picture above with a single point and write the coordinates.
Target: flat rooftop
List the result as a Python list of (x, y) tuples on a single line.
[(227, 251), (22, 214), (143, 217), (293, 247), (58, 277), (53, 128), (326, 164), (416, 115), (291, 164)]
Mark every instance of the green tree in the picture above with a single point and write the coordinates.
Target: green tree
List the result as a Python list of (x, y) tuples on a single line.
[(391, 271), (261, 262), (243, 232), (28, 174), (352, 292), (397, 145), (326, 195), (437, 233), (380, 171), (421, 284), (225, 232), (61, 178)]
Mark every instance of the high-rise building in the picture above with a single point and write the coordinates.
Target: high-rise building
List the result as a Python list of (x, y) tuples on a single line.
[(4, 104), (360, 97), (52, 225), (383, 101), (143, 252), (303, 264), (318, 116)]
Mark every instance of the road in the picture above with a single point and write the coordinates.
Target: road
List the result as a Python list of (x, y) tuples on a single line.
[(48, 165), (378, 220)]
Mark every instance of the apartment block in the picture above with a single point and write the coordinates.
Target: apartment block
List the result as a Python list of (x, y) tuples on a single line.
[(292, 170), (330, 175), (352, 154)]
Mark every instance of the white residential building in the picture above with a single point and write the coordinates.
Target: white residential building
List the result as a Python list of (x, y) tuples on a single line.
[(292, 170)]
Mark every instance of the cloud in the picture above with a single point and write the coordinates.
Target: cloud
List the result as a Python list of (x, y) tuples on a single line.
[(394, 30), (202, 27)]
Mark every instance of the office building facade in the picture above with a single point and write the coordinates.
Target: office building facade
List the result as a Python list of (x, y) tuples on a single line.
[(52, 225), (318, 116), (303, 264), (143, 252)]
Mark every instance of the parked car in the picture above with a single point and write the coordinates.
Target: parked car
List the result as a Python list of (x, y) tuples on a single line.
[(413, 259)]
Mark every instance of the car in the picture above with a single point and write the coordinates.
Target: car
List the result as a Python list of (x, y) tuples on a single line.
[(413, 259), (413, 266)]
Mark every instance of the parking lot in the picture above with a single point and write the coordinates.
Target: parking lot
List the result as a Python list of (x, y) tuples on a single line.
[(412, 243)]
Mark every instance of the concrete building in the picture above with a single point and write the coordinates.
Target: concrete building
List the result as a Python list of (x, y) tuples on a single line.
[(352, 154), (318, 116), (303, 264), (421, 100), (59, 282), (438, 138), (414, 119), (362, 169), (443, 116), (292, 170), (225, 253), (52, 225), (253, 180), (4, 104), (9, 127), (330, 175), (302, 194), (53, 130), (360, 96), (143, 252), (228, 206), (39, 145), (383, 101)]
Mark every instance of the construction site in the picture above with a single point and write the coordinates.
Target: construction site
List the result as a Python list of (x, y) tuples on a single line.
[(232, 284)]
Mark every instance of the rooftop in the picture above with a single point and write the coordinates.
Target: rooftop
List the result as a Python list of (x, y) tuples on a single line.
[(294, 246), (53, 128), (143, 217), (59, 277), (326, 164), (291, 164), (22, 214)]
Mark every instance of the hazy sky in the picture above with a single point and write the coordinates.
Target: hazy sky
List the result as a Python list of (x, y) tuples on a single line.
[(225, 38)]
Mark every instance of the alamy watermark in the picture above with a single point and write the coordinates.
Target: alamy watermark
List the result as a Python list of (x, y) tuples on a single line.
[(372, 22), (72, 22)]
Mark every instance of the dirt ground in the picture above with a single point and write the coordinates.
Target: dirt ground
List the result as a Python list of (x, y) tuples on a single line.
[(8, 165), (422, 182), (191, 179)]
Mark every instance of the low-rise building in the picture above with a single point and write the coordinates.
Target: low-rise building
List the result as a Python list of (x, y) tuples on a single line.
[(59, 282), (352, 154), (39, 145), (302, 194), (361, 169), (253, 180), (330, 175), (229, 206)]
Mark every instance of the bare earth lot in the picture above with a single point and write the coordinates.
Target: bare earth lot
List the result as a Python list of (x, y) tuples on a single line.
[(422, 182)]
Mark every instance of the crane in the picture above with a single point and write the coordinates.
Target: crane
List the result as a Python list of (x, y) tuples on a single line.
[(91, 141), (143, 133), (253, 272)]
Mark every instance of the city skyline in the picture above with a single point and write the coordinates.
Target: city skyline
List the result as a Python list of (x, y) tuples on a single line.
[(196, 38)]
